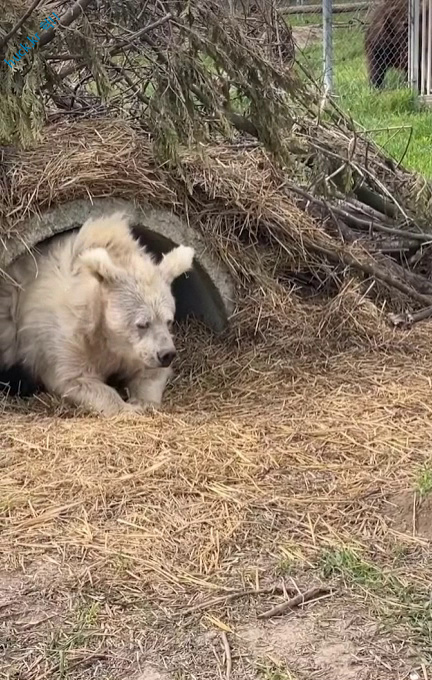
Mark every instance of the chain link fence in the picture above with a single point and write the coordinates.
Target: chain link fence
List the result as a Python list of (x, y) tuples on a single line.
[(370, 43)]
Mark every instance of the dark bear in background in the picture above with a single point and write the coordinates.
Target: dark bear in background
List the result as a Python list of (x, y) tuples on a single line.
[(386, 40)]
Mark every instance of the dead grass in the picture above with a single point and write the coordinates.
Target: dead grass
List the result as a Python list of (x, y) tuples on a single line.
[(273, 460), (283, 446), (238, 196), (257, 468)]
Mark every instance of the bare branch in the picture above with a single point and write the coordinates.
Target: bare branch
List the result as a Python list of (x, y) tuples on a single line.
[(150, 27), (296, 601), (68, 17), (118, 47), (18, 25), (134, 86)]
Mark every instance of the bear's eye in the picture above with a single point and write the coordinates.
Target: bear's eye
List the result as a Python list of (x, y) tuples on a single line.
[(142, 326), (170, 324)]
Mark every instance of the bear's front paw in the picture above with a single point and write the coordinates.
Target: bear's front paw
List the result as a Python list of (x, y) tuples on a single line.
[(125, 411), (144, 405)]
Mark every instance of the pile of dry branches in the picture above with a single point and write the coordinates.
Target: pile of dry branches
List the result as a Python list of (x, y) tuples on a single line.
[(233, 126)]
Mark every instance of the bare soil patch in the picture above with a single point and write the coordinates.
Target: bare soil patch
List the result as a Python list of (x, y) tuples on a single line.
[(411, 514), (306, 36), (327, 642)]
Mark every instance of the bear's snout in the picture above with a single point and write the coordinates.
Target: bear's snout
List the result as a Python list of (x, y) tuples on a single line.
[(166, 358)]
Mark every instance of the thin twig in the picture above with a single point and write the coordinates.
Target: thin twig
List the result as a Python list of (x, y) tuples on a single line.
[(407, 146), (297, 600), (150, 27), (19, 23), (230, 597), (364, 208), (119, 46), (65, 20), (422, 237), (228, 658), (134, 86)]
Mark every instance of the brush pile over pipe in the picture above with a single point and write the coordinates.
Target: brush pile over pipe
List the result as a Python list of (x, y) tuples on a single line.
[(204, 109)]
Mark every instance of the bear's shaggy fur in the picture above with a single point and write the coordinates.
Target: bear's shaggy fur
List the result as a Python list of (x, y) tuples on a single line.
[(386, 40), (89, 305)]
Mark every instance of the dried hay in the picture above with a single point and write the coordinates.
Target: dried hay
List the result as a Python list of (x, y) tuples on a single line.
[(235, 195), (316, 196), (279, 442), (256, 462)]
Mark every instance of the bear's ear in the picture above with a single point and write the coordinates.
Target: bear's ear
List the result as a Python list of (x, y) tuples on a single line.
[(98, 262), (176, 262)]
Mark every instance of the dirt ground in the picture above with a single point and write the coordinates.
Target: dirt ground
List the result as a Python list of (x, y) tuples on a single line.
[(43, 637), (147, 549), (306, 36)]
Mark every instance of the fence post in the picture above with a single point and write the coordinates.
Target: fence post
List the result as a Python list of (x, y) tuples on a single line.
[(327, 45), (413, 42), (427, 21)]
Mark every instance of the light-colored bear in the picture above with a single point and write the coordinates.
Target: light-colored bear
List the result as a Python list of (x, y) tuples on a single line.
[(89, 305)]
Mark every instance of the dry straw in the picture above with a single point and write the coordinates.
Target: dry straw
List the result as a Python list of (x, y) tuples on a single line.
[(223, 126), (279, 441)]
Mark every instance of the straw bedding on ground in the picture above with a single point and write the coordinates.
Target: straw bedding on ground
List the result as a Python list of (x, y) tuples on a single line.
[(261, 467), (292, 451), (288, 450)]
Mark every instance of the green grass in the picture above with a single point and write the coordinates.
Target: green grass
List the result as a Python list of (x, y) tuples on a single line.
[(78, 634), (393, 117), (393, 599), (424, 482)]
